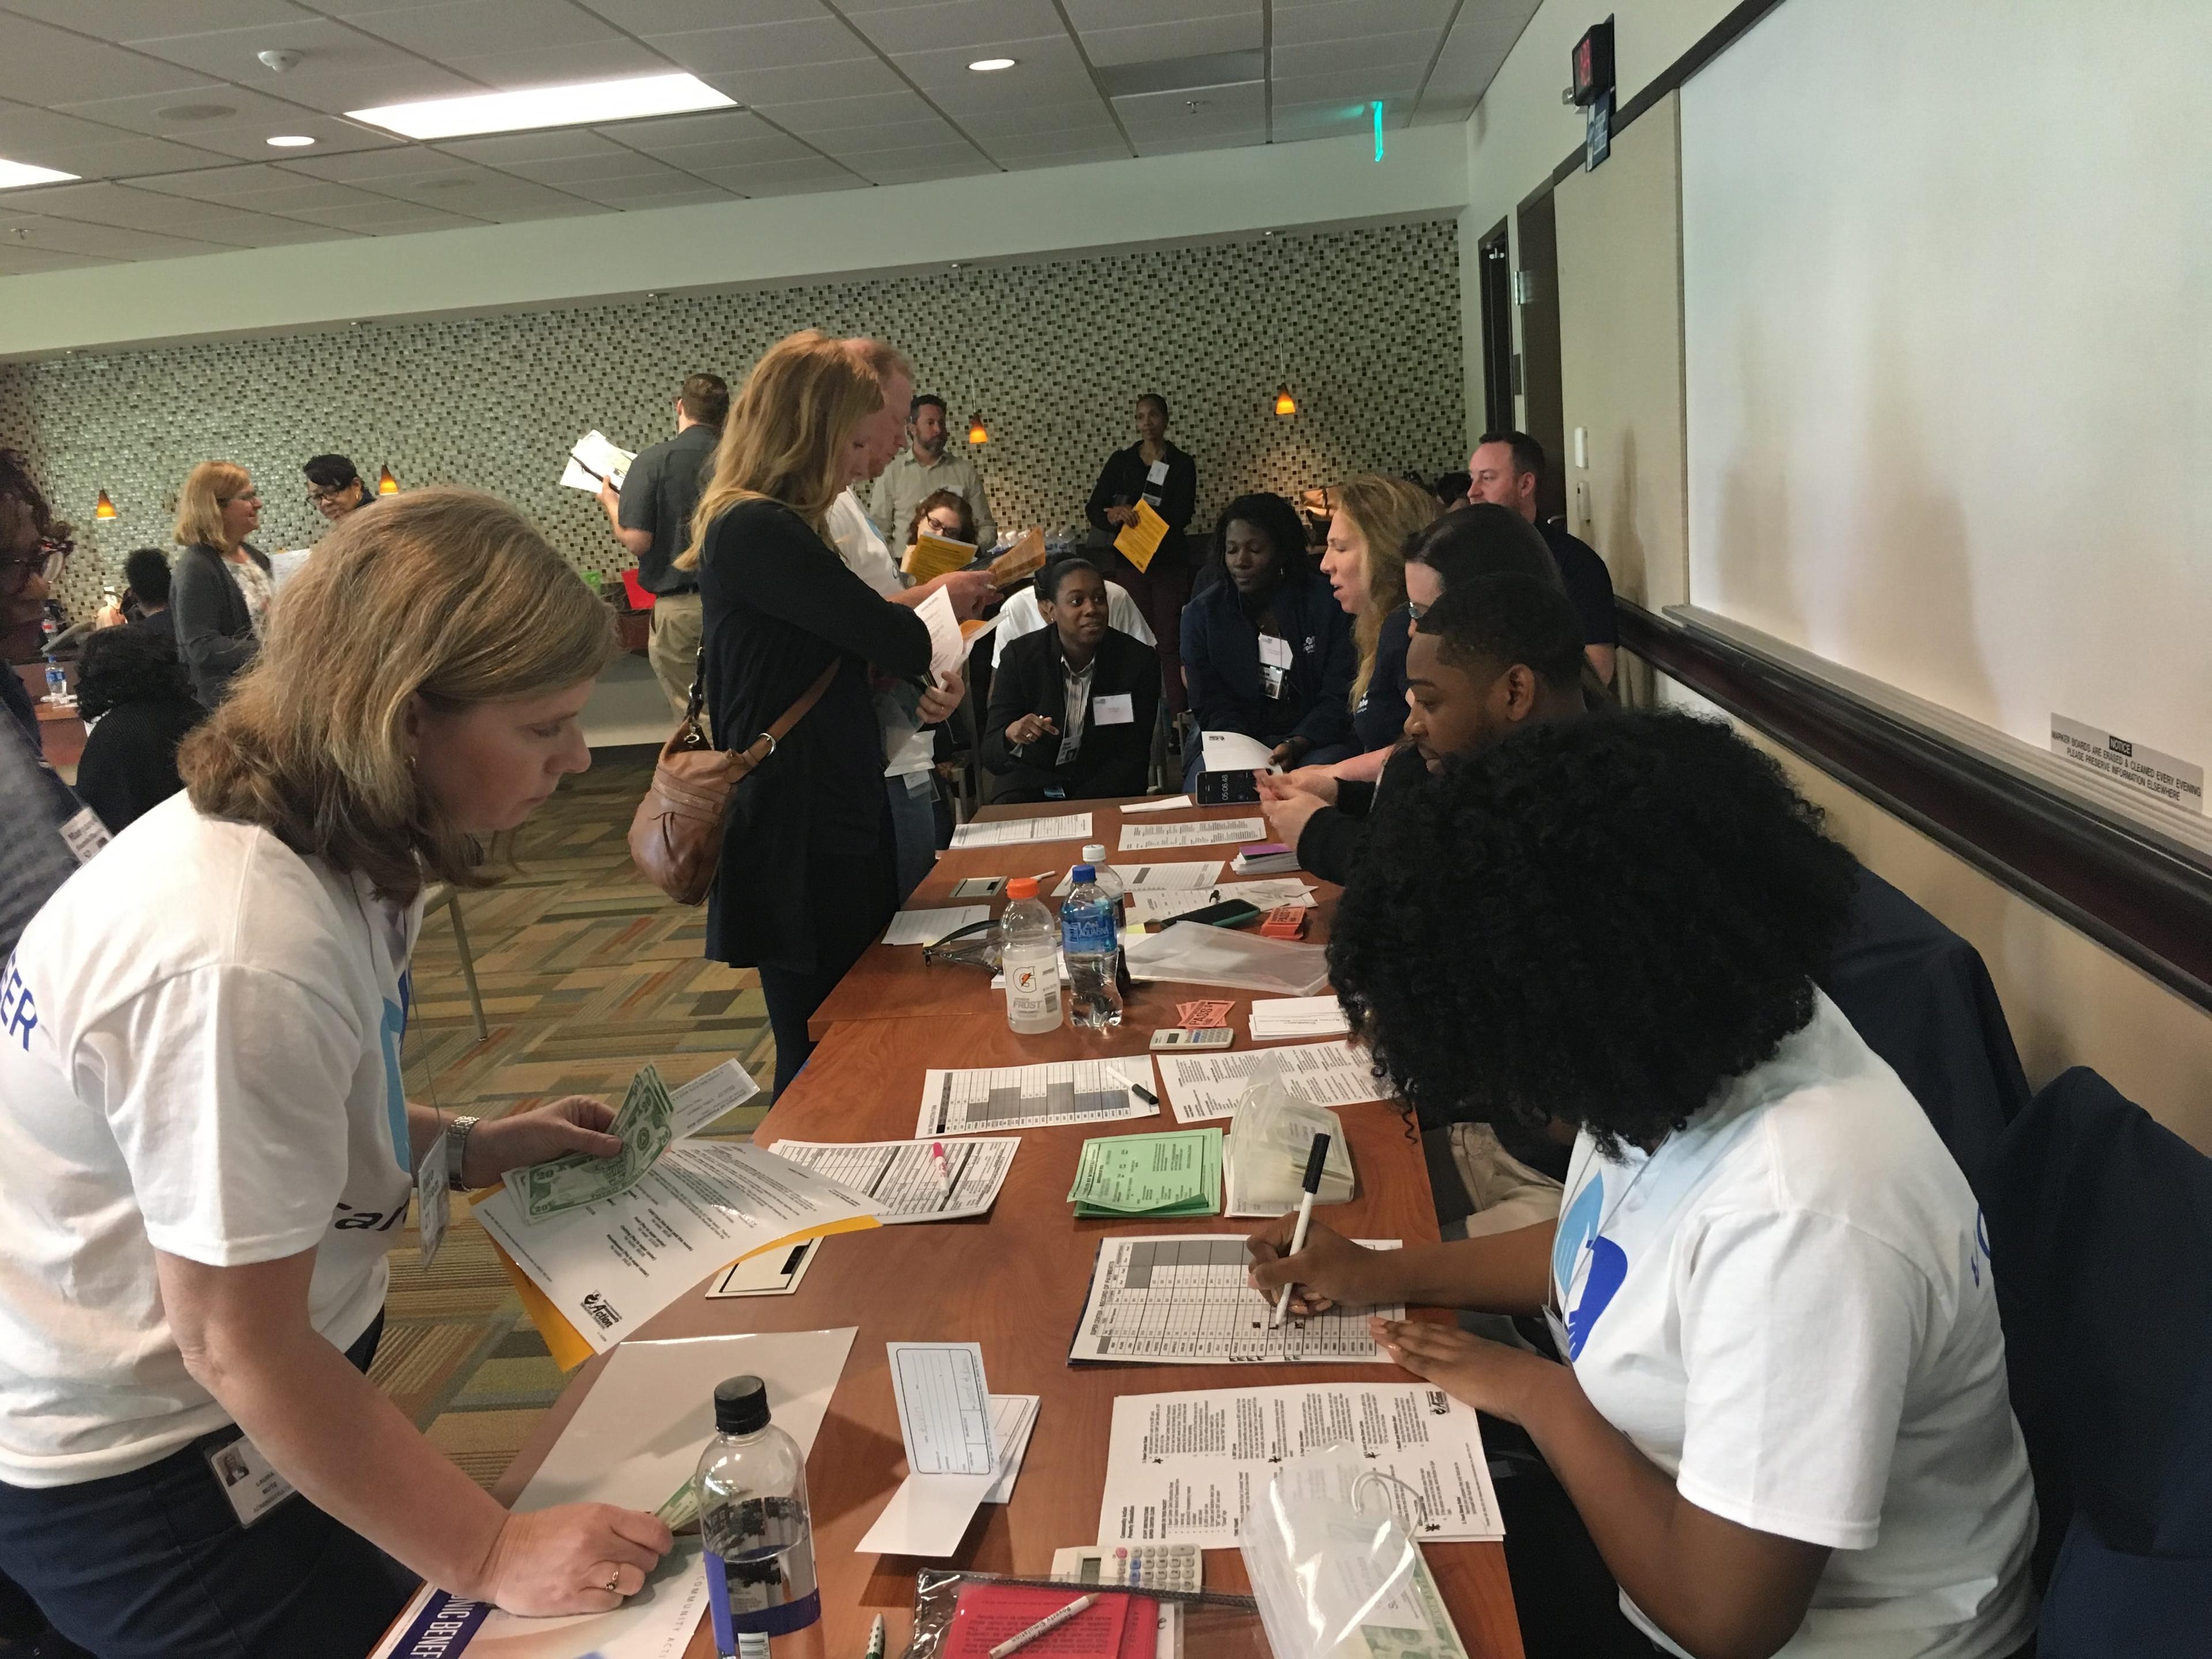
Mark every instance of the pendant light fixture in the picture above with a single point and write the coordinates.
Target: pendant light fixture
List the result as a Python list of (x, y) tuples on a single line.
[(386, 484), (977, 432), (1286, 403), (103, 509)]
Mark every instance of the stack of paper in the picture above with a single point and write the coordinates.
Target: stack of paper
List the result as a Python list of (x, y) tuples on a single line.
[(595, 459), (1233, 752), (1279, 1019), (931, 556), (1269, 858), (1175, 1174), (965, 1447)]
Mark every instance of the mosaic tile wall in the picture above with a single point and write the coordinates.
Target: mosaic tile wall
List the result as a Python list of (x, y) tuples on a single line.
[(1363, 325)]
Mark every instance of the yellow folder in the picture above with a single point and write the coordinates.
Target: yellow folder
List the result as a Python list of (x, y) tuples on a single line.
[(1137, 542)]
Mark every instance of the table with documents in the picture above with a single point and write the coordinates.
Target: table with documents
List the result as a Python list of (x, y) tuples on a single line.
[(1015, 1283)]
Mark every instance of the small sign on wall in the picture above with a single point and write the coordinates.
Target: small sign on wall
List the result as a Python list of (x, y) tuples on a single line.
[(2174, 781)]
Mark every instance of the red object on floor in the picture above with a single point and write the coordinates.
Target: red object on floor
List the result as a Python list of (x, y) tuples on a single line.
[(640, 599)]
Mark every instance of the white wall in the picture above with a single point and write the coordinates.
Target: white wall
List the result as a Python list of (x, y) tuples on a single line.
[(1144, 203), (1521, 130)]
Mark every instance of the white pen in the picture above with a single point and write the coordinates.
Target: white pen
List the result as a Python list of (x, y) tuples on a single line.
[(1051, 1621), (1317, 1156)]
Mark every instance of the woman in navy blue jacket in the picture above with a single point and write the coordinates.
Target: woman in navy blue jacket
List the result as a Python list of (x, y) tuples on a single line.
[(1267, 649)]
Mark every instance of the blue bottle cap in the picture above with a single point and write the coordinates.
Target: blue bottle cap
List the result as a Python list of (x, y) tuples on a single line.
[(1081, 873)]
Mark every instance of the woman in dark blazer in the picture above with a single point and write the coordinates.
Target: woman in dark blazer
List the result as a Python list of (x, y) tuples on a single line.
[(221, 586), (1153, 470), (806, 880), (1268, 649), (1040, 744), (135, 692)]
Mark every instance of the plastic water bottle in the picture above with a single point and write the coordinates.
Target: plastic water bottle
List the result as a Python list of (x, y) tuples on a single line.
[(753, 1518), (1113, 886), (57, 683), (1029, 955), (1087, 924)]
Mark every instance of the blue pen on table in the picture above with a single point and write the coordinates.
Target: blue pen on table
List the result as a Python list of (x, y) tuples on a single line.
[(1317, 1156)]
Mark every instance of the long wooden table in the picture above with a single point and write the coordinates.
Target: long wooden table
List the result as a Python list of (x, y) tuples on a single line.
[(1014, 1282)]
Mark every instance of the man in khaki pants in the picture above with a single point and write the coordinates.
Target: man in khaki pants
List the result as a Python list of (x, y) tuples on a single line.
[(650, 515)]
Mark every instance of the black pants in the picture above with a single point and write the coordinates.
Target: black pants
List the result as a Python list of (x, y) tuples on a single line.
[(153, 1564)]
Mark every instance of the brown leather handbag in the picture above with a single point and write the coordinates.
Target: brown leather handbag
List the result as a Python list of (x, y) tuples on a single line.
[(675, 837)]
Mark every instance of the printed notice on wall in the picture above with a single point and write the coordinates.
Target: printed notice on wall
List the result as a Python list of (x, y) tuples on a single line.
[(2175, 782)]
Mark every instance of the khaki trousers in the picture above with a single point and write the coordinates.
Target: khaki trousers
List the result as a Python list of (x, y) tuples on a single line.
[(678, 623)]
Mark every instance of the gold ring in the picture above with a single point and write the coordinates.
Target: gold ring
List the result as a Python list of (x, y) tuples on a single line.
[(614, 1578)]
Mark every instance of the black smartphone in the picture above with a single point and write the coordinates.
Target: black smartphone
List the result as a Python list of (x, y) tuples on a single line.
[(1228, 789), (1230, 913)]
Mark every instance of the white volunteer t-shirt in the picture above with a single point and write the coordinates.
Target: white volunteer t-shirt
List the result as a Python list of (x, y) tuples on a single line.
[(912, 749), (1787, 1307), (198, 1053), (1020, 616)]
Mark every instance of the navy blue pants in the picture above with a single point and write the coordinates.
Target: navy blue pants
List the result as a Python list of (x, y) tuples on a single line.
[(153, 1564)]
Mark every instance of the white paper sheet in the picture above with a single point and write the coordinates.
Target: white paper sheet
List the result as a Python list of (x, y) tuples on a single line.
[(1274, 1019), (1156, 904), (948, 652), (1184, 876), (928, 927), (928, 1515), (656, 1623), (903, 1178), (704, 1100), (283, 565), (1016, 832), (595, 456), (1148, 837), (1182, 1299), (1166, 1483), (1202, 1088), (943, 1407), (772, 1273), (609, 1267), (984, 1099), (1169, 804), (1232, 751)]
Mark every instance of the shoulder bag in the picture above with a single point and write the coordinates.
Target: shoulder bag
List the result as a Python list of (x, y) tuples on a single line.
[(676, 836)]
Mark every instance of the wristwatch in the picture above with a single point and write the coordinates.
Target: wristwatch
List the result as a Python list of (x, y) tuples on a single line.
[(456, 1148)]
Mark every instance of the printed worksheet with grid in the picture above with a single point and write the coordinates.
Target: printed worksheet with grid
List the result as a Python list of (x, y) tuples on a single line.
[(1182, 1299), (990, 1099)]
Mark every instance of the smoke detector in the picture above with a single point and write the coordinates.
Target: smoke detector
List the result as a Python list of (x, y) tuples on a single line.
[(281, 60)]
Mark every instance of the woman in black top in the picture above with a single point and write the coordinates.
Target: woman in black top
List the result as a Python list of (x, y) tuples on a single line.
[(1153, 470), (1073, 705), (222, 585), (133, 690), (806, 878)]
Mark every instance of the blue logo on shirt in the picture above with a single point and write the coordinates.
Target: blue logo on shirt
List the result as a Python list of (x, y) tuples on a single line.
[(1608, 1263), (395, 1086)]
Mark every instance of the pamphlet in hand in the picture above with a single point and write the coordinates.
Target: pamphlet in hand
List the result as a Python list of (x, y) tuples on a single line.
[(931, 556), (595, 459)]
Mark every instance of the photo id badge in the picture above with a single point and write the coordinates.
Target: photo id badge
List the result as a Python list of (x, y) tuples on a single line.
[(253, 1487), (433, 1200), (1271, 679), (1156, 473), (1274, 651), (1117, 710)]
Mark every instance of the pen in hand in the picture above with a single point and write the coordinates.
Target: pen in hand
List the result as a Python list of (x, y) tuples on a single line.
[(1317, 1156)]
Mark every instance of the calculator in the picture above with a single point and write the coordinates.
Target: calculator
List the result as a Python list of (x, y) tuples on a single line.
[(1150, 1566), (1184, 1037)]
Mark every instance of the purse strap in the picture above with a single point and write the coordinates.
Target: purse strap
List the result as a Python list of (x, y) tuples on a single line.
[(689, 736)]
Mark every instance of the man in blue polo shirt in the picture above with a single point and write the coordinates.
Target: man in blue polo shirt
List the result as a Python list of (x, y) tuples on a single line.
[(1504, 468)]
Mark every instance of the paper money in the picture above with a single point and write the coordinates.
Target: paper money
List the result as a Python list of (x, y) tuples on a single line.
[(645, 1126), (679, 1511)]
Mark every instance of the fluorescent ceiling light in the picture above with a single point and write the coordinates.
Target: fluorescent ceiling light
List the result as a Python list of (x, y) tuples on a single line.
[(581, 105), (984, 65), (291, 141), (16, 173)]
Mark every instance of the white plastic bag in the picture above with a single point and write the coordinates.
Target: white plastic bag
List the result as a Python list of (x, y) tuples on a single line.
[(1190, 953)]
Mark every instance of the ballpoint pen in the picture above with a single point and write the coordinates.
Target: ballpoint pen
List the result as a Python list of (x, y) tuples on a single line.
[(1317, 1156), (876, 1639), (1050, 1622)]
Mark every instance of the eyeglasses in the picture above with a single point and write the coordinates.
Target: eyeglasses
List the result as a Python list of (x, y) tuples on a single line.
[(1416, 611), (317, 497), (48, 562)]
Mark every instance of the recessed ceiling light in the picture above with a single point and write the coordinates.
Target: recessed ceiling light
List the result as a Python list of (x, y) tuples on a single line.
[(14, 174), (986, 65), (581, 105), (291, 141)]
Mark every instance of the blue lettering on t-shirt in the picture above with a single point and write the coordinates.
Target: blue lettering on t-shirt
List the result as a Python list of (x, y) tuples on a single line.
[(395, 1087), (19, 1012)]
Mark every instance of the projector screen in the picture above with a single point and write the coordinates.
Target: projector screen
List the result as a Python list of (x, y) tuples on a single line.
[(1948, 311)]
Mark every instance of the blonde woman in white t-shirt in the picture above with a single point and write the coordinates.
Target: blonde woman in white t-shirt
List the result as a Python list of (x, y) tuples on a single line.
[(210, 1151), (1783, 1420)]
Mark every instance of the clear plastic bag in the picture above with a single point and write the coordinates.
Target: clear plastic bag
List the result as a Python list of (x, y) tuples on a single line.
[(1335, 1573), (1270, 1134), (1206, 1624), (1190, 953)]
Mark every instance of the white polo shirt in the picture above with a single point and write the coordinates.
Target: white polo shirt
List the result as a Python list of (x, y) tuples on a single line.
[(200, 1054), (1788, 1307)]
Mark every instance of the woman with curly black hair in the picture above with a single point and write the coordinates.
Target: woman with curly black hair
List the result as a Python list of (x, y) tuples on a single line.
[(1784, 1418), (133, 688)]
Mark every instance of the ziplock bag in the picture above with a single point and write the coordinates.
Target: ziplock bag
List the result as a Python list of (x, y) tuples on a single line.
[(1191, 953)]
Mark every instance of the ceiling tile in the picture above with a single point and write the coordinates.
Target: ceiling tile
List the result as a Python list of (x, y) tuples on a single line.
[(781, 178), (1193, 37), (968, 24), (555, 66), (1209, 109), (1039, 61), (230, 54), (335, 90), (457, 28), (506, 148), (36, 62), (887, 172), (1088, 14), (120, 205), (585, 169), (734, 153), (761, 47), (250, 118), (868, 160), (1091, 119), (633, 195), (224, 184), (1358, 19), (118, 157), (1352, 86), (672, 16), (106, 241), (371, 166), (1327, 118), (1024, 161), (671, 132), (800, 84), (384, 218), (558, 205), (1375, 51), (124, 20), (841, 141), (1476, 46), (831, 114), (21, 259), (268, 231)]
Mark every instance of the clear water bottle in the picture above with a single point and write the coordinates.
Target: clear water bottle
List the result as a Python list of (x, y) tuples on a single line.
[(1092, 939), (57, 683), (1029, 955), (1114, 887), (753, 1518)]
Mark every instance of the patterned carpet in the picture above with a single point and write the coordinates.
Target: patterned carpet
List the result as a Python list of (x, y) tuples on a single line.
[(586, 974)]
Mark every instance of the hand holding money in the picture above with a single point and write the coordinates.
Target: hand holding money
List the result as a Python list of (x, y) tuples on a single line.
[(574, 1123), (644, 1127)]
